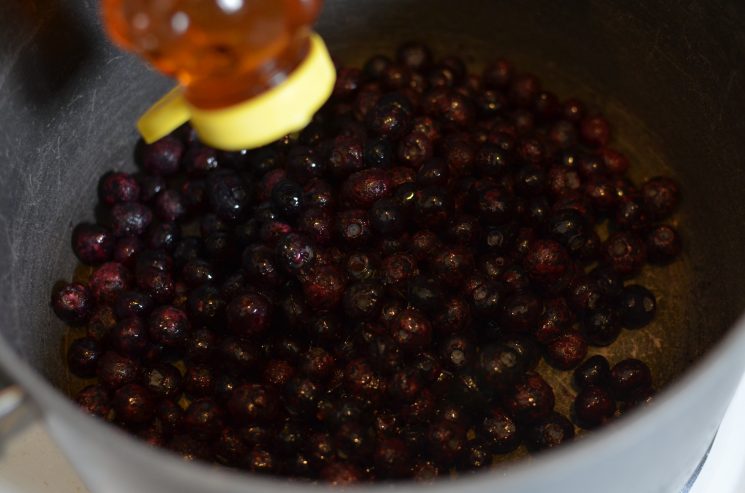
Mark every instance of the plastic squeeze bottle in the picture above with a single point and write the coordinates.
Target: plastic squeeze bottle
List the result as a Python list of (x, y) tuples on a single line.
[(249, 71)]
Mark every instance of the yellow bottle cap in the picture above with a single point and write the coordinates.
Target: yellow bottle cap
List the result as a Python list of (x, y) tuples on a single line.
[(283, 109)]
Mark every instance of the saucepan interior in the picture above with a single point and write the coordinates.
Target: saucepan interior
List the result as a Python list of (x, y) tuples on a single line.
[(667, 77)]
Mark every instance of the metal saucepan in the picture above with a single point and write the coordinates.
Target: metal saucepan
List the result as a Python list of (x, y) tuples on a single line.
[(668, 74)]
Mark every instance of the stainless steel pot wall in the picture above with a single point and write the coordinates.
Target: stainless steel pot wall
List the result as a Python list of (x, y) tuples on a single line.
[(670, 75)]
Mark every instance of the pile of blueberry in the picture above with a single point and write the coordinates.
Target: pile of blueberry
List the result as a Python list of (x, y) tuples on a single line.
[(369, 299)]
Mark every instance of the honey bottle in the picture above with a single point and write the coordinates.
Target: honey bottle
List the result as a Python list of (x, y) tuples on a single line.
[(249, 71)]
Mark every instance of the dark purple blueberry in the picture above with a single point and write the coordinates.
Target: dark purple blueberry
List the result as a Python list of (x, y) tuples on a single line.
[(607, 281), (278, 372), (499, 432), (498, 74), (362, 266), (661, 196), (94, 400), (629, 377), (453, 316), (73, 303), (294, 252), (169, 205), (355, 441), (117, 187), (200, 346), (101, 321), (392, 457), (169, 326), (486, 299), (362, 381), (163, 157), (569, 228), (130, 219), (520, 312), (625, 252), (303, 164), (259, 263), (92, 244), (162, 380), (557, 317), (287, 199), (126, 250), (387, 217), (230, 450), (390, 117), (601, 326), (414, 149), (375, 66), (499, 366), (566, 351), (523, 89), (549, 432), (132, 304), (585, 295), (189, 448), (595, 131), (601, 191), (530, 399), (362, 300), (83, 357), (197, 272), (363, 188), (228, 195), (252, 403), (412, 329), (446, 441), (156, 283), (237, 357), (490, 103), (108, 281), (414, 55), (129, 337), (637, 306), (267, 184), (378, 153), (150, 187), (220, 248), (340, 474), (547, 263), (206, 305), (163, 236), (317, 224), (249, 314), (465, 230), (451, 266), (133, 404), (203, 419), (573, 110), (494, 206), (526, 347), (200, 160), (424, 471), (317, 363), (663, 244), (457, 352), (353, 227), (346, 156), (593, 406), (325, 326), (260, 161), (323, 287), (595, 371)]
